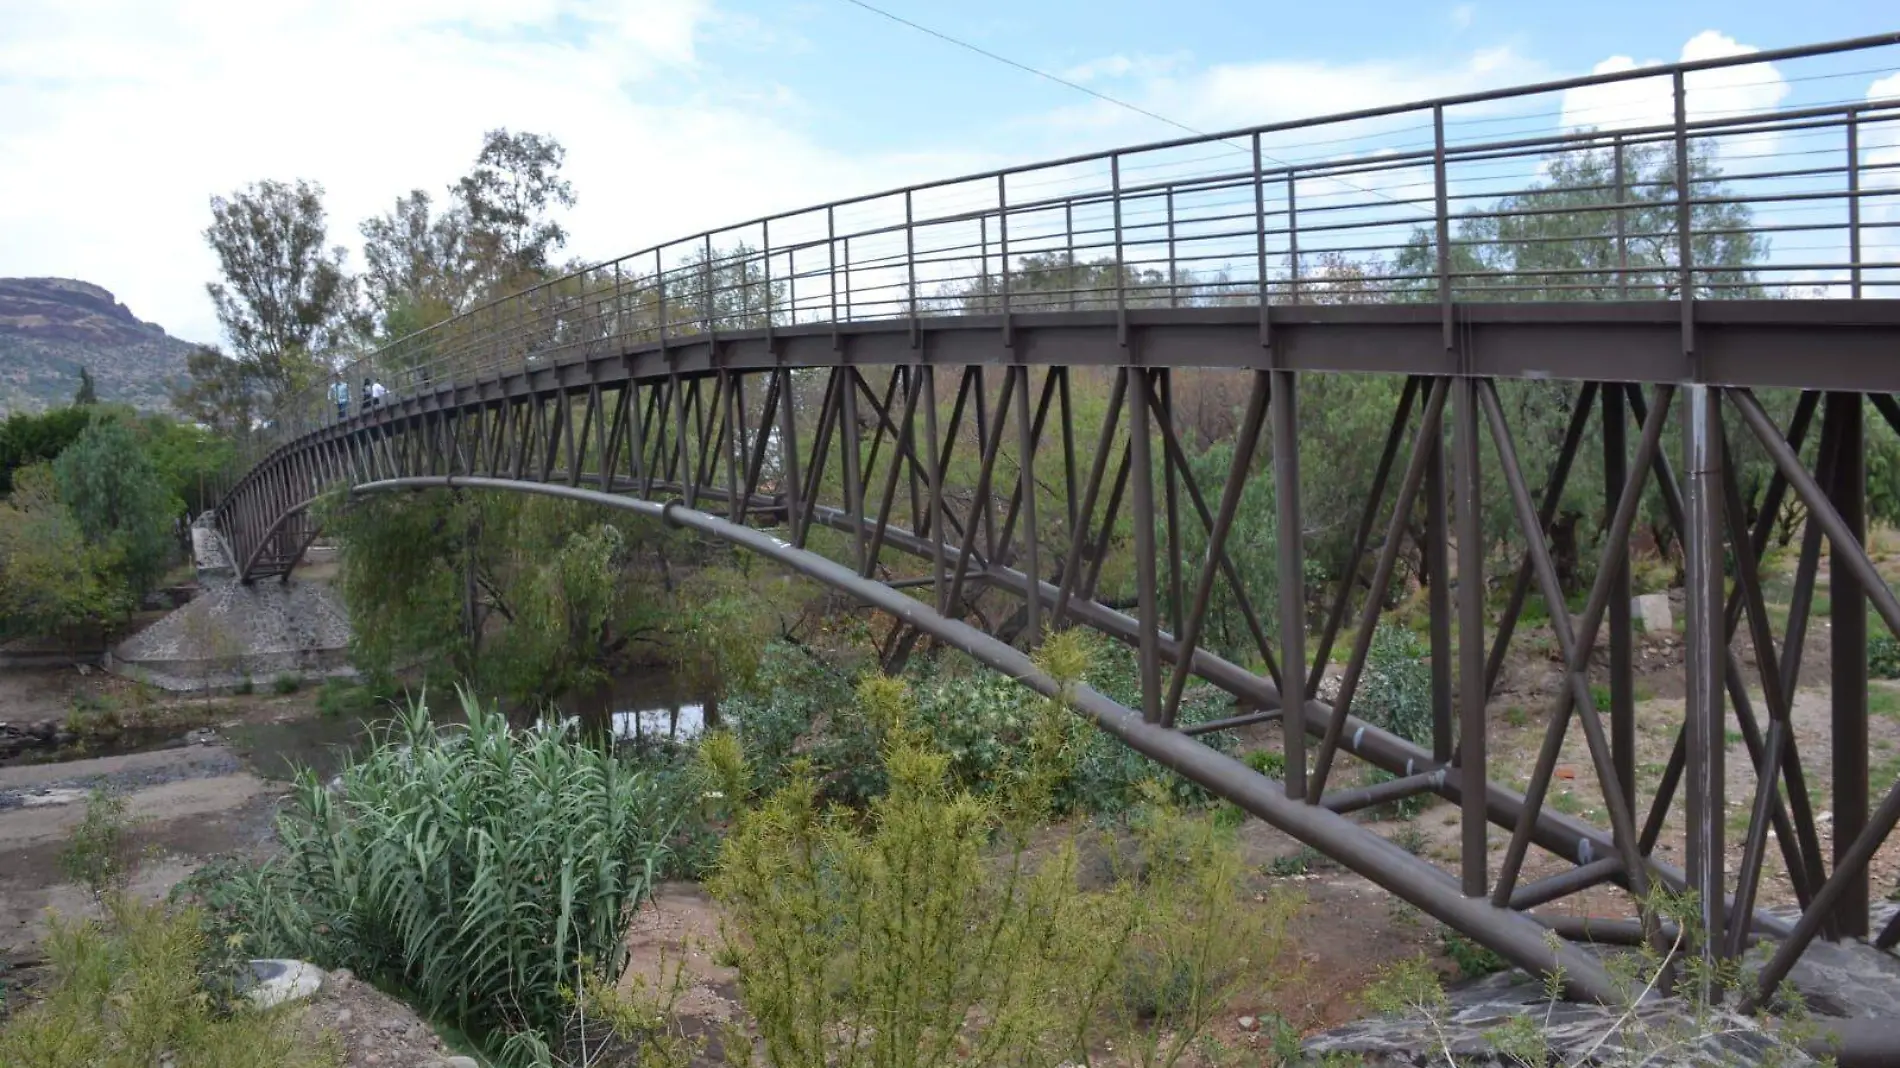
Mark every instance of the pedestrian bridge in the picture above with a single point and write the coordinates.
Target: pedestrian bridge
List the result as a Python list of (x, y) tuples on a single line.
[(899, 396)]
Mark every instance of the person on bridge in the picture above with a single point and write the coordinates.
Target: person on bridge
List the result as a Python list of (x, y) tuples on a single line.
[(340, 393), (368, 399), (377, 393)]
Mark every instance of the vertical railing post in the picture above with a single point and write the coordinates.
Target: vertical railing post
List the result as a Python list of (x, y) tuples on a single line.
[(1068, 230), (831, 271), (766, 261), (983, 260), (1292, 237), (1260, 244), (1174, 290), (1685, 223), (910, 267), (1622, 224), (1121, 291), (711, 281), (847, 279), (1442, 223), (1853, 200), (659, 281), (1002, 235)]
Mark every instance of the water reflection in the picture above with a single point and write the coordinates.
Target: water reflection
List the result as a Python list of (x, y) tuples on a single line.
[(643, 706)]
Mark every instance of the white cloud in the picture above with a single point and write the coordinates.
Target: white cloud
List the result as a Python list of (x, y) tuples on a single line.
[(120, 118), (1717, 93), (1231, 95)]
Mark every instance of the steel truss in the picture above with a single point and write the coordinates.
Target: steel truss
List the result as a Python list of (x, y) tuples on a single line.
[(938, 469)]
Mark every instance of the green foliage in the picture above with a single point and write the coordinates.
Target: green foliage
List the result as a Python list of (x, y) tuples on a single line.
[(341, 697), (1250, 546), (108, 479), (286, 684), (525, 597), (88, 391), (100, 854), (1883, 655), (801, 706), (1699, 1027), (1471, 959), (126, 994), (284, 300), (478, 868), (245, 687), (1298, 862), (897, 940), (53, 581), (27, 438), (1395, 693)]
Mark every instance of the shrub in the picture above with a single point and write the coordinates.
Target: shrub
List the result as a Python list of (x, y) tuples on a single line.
[(477, 867), (1395, 693), (899, 939), (285, 684), (245, 687), (125, 994), (99, 854), (341, 697), (1883, 655)]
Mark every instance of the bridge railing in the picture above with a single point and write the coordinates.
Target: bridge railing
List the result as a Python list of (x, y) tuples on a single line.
[(1639, 184)]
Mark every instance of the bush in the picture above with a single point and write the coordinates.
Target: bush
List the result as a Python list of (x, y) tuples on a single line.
[(341, 697), (1883, 654), (899, 939), (285, 684), (478, 868), (99, 854), (125, 994), (1395, 693), (803, 707)]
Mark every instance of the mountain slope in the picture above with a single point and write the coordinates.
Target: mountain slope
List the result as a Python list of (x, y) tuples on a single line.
[(50, 327)]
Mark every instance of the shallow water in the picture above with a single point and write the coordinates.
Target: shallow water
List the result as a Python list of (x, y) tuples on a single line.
[(642, 706)]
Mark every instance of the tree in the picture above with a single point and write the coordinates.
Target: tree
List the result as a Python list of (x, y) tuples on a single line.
[(285, 300), (52, 581), (418, 265), (219, 393), (117, 496), (508, 196), (87, 393), (28, 439), (1558, 239)]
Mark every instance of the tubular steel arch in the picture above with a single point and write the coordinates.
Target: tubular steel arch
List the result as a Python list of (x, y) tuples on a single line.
[(902, 372)]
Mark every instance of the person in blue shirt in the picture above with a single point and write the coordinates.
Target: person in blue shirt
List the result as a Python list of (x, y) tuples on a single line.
[(340, 393)]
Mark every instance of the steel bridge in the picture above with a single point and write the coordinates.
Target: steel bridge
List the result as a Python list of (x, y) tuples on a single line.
[(893, 378)]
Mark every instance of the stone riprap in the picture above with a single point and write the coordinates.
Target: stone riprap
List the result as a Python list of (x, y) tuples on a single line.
[(1846, 981), (233, 633)]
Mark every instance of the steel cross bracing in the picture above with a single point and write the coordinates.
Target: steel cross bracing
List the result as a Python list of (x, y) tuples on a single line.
[(803, 397)]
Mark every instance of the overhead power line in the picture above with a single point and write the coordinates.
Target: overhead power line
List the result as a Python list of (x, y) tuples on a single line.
[(1104, 97)]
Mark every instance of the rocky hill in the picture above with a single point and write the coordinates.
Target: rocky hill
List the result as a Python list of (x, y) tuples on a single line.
[(50, 327)]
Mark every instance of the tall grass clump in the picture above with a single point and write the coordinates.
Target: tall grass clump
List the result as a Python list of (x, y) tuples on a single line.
[(476, 867)]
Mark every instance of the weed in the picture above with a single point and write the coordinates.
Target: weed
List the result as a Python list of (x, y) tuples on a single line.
[(245, 687), (341, 697), (125, 994), (285, 684), (1516, 716), (1471, 959), (924, 950), (99, 854), (1298, 862), (1883, 700), (1883, 654), (1409, 838), (1566, 802), (1268, 762), (1600, 695)]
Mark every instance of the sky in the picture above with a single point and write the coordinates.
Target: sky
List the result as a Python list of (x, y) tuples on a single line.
[(119, 119)]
